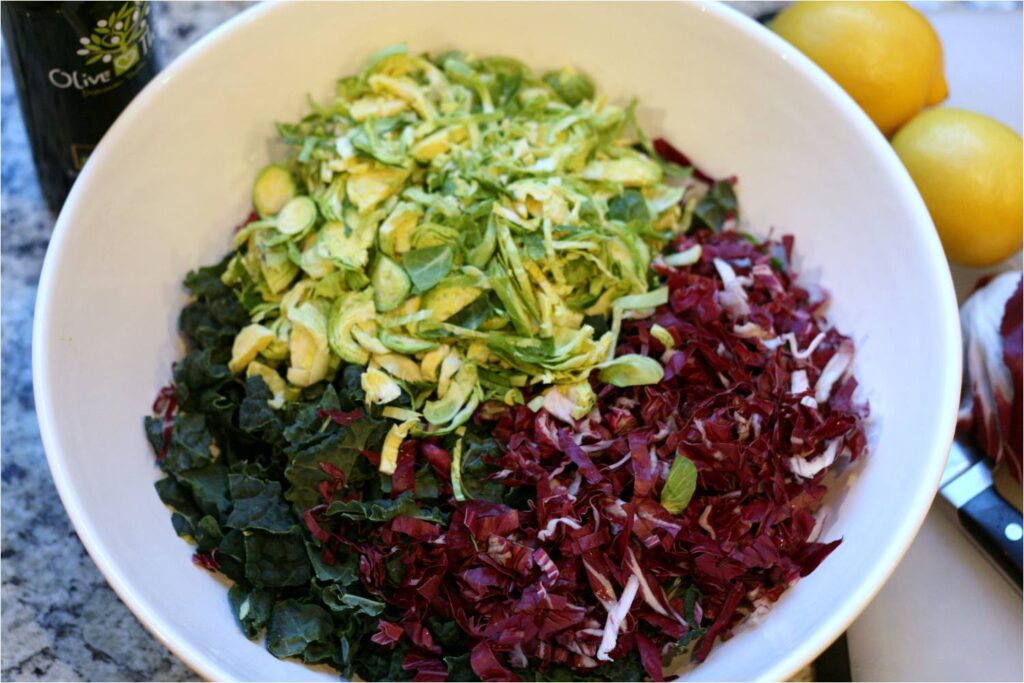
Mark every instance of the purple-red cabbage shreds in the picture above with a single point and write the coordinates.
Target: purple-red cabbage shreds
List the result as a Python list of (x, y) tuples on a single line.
[(590, 567), (387, 633), (208, 562), (165, 405), (667, 151), (340, 416)]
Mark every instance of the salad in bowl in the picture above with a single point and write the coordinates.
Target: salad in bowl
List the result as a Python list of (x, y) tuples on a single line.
[(492, 385)]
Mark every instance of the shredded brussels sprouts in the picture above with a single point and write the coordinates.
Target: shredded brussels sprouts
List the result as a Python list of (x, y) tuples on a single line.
[(459, 226)]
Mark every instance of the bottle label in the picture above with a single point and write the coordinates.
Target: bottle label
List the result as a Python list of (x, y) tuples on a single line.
[(112, 53)]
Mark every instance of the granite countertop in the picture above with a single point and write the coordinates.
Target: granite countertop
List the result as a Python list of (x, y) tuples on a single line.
[(61, 621)]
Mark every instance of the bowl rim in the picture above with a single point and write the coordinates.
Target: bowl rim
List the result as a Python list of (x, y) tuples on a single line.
[(786, 665)]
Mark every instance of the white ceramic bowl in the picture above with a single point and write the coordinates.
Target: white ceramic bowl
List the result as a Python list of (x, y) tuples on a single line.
[(171, 178)]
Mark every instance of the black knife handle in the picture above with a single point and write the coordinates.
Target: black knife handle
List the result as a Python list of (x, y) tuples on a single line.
[(996, 526)]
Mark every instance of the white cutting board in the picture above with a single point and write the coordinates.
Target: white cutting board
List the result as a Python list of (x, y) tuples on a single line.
[(946, 614)]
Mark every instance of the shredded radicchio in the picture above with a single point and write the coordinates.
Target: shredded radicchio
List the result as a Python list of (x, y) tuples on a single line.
[(164, 407), (583, 566), (991, 411)]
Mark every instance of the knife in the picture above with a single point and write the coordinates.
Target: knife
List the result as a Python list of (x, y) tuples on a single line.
[(989, 521)]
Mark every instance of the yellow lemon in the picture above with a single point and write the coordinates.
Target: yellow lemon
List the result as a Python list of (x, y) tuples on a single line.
[(968, 168), (884, 54)]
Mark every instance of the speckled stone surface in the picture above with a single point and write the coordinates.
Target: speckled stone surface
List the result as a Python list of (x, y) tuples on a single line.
[(60, 619)]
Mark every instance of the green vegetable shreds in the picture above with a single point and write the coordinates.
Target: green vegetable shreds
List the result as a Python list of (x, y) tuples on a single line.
[(680, 485), (454, 226)]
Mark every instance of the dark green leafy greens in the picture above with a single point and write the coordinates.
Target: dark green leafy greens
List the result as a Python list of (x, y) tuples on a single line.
[(240, 475), (717, 206)]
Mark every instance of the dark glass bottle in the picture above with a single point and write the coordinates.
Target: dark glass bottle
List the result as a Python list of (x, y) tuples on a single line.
[(76, 66)]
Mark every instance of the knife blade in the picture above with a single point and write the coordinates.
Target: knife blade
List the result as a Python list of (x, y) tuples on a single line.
[(988, 520)]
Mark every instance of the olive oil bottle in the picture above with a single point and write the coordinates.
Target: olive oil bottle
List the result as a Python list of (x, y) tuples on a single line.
[(76, 66)]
